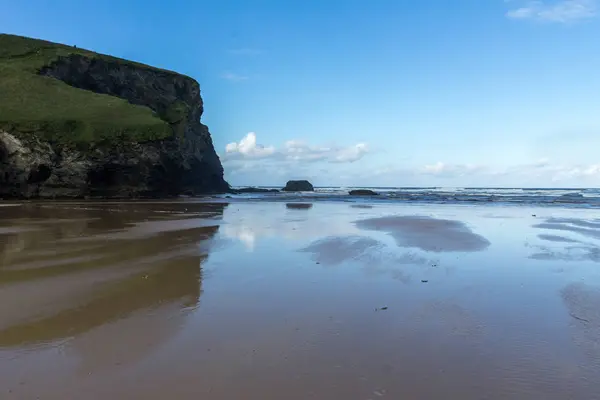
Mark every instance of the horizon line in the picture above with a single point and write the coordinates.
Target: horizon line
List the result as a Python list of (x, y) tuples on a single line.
[(428, 187)]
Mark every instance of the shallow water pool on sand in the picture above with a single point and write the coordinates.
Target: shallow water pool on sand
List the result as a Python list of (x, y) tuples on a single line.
[(267, 300)]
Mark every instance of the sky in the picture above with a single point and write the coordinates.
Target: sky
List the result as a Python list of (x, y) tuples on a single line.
[(453, 93)]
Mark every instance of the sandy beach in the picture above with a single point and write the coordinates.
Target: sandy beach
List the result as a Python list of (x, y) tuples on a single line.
[(329, 300)]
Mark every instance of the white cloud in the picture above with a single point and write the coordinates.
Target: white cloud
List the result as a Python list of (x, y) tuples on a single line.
[(565, 173), (545, 170), (233, 77), (541, 172), (248, 163), (560, 11), (300, 151), (452, 170), (248, 148), (292, 151), (352, 154)]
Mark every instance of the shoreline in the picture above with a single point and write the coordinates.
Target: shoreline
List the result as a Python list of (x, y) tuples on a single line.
[(317, 199)]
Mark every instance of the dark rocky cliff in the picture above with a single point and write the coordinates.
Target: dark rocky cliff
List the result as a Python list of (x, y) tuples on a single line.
[(33, 164)]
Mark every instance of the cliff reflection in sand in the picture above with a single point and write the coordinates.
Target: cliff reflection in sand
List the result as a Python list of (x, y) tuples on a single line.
[(426, 233), (46, 296)]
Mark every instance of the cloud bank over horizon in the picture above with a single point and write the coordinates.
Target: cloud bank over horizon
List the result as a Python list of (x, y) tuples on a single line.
[(249, 163)]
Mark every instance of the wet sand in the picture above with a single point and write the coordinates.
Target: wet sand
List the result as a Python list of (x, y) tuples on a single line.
[(426, 233), (268, 300)]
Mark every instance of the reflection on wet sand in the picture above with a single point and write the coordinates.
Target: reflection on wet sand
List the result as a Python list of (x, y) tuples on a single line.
[(589, 228), (579, 247), (336, 250), (299, 206), (365, 206), (451, 318), (568, 253), (428, 234), (583, 304), (557, 238), (166, 301), (53, 288), (375, 257)]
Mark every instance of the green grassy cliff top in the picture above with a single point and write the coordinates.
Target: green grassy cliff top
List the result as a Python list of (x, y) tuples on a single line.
[(34, 104)]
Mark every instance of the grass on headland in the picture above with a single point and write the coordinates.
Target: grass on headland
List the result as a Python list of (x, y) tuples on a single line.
[(32, 103)]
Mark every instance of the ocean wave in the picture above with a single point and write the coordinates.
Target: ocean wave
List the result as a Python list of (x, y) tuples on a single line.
[(589, 197)]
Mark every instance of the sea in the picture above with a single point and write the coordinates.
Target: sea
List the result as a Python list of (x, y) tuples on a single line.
[(562, 197)]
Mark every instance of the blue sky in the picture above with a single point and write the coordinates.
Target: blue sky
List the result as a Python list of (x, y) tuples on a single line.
[(378, 93)]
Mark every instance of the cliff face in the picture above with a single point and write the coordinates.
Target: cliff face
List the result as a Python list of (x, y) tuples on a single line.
[(33, 164)]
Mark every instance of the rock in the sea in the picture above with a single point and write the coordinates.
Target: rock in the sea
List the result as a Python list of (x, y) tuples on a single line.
[(87, 124), (363, 192), (298, 186), (255, 190)]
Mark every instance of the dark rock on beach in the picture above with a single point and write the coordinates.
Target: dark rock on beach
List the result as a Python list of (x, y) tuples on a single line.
[(363, 192), (298, 186), (254, 190)]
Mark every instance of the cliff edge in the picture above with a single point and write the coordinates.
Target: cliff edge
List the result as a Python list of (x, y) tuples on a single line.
[(74, 123)]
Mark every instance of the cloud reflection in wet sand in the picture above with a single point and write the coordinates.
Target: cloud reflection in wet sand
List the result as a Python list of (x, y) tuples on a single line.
[(374, 257), (568, 253), (336, 250), (568, 248), (426, 233), (252, 226), (588, 228), (557, 238)]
